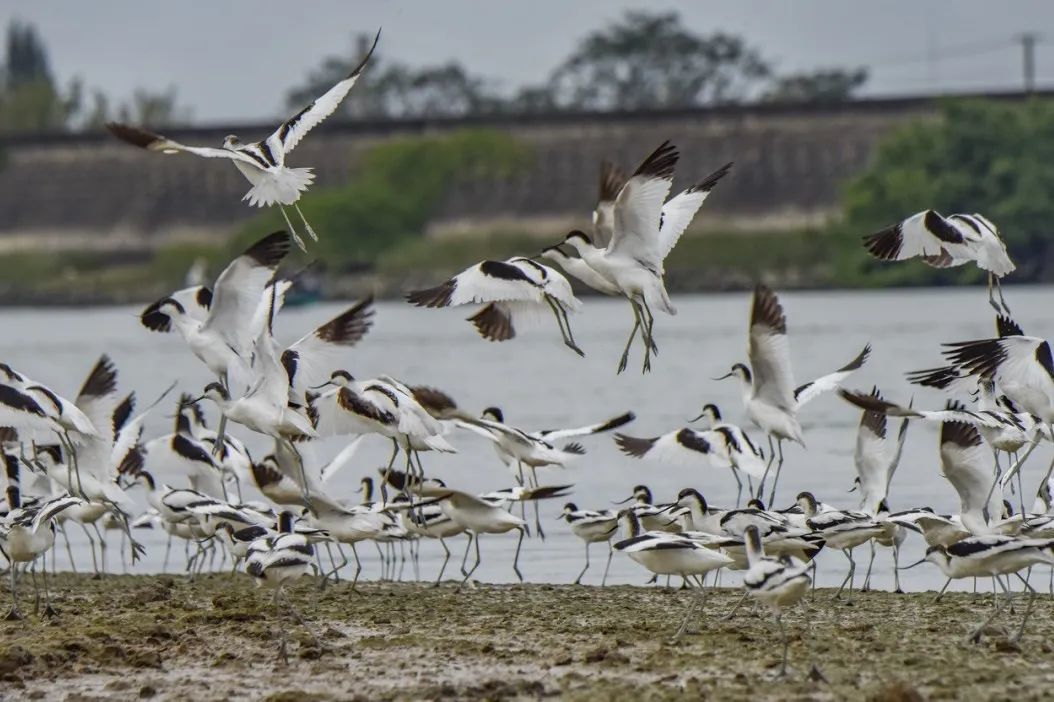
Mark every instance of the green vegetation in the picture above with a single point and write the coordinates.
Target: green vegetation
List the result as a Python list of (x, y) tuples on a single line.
[(996, 158), (395, 193)]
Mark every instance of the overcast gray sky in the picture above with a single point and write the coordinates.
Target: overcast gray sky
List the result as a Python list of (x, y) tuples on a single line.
[(235, 60)]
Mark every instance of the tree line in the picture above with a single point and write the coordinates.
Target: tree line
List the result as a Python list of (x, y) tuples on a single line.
[(641, 61)]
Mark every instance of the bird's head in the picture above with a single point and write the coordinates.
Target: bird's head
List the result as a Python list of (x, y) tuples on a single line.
[(339, 378), (578, 239), (710, 413), (494, 414), (629, 523), (231, 142), (215, 392), (567, 510), (807, 502), (739, 371), (690, 497)]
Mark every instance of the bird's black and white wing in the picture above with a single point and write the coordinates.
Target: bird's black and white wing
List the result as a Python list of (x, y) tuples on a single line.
[(289, 134), (954, 413), (638, 209), (98, 400), (926, 235), (195, 302), (161, 144), (832, 381), (310, 360), (685, 447), (341, 460), (612, 178), (53, 508), (680, 210), (240, 287), (877, 453), (966, 463), (1011, 361), (487, 281), (769, 351), (551, 435)]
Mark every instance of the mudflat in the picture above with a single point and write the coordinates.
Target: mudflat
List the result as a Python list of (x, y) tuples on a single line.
[(217, 637)]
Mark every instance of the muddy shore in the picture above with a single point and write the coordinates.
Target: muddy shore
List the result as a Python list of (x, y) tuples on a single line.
[(167, 638)]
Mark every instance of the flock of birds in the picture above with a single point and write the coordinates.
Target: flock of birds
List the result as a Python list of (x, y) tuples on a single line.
[(77, 462)]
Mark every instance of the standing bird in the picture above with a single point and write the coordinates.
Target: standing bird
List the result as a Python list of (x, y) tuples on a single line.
[(669, 554), (592, 527), (263, 162), (28, 533), (513, 291), (944, 242), (275, 560), (776, 582), (769, 396), (645, 229), (993, 556)]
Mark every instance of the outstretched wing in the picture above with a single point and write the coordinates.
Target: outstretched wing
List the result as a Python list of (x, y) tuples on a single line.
[(552, 435), (831, 381), (680, 210), (769, 351), (155, 142), (289, 134), (638, 208), (310, 360)]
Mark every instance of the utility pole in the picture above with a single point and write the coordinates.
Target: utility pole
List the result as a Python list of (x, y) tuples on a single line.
[(1028, 60)]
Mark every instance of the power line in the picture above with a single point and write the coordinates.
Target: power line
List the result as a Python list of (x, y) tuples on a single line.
[(953, 52)]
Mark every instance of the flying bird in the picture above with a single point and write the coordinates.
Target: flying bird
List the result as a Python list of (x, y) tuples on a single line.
[(945, 242), (262, 162)]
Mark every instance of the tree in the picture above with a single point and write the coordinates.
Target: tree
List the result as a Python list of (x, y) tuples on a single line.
[(649, 61), (29, 99), (823, 85), (389, 89), (996, 158)]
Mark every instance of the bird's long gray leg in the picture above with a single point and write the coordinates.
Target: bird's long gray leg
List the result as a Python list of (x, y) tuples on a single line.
[(632, 334), (867, 576), (896, 568), (102, 546), (736, 608), (307, 227), (779, 466), (468, 547), (1002, 300), (991, 295), (49, 611), (15, 614), (569, 340), (578, 580), (476, 564), (1028, 609), (768, 467), (516, 558), (446, 558), (69, 549), (649, 341), (292, 230), (611, 552), (221, 430), (941, 593), (91, 548)]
